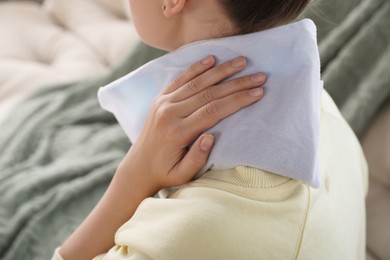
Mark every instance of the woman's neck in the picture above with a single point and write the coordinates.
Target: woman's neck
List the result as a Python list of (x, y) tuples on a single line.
[(194, 24)]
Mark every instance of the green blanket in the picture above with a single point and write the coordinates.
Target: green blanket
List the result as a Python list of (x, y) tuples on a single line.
[(58, 149)]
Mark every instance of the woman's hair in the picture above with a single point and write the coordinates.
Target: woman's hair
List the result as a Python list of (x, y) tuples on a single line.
[(255, 15)]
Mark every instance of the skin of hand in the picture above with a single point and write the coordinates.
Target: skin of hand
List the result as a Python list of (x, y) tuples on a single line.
[(193, 103), (161, 157)]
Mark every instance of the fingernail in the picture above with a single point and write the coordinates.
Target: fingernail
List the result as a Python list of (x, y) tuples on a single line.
[(207, 60), (238, 62), (256, 92), (206, 143), (258, 78)]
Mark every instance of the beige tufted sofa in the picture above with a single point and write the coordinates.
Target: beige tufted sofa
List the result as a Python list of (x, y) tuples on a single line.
[(68, 40), (59, 41)]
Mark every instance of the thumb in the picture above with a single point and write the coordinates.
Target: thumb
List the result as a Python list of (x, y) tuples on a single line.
[(194, 160)]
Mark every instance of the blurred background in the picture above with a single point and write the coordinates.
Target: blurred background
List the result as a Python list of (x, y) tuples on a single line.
[(58, 149)]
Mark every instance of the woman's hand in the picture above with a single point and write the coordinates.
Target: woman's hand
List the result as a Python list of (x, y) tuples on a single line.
[(193, 103)]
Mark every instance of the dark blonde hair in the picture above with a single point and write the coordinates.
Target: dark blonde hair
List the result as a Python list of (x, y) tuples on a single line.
[(256, 15)]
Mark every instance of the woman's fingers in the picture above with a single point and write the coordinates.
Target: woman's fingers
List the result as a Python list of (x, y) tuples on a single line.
[(190, 105), (211, 113), (193, 161), (209, 78), (194, 71), (168, 131)]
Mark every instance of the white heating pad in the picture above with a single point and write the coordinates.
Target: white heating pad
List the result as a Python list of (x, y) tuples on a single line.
[(279, 134)]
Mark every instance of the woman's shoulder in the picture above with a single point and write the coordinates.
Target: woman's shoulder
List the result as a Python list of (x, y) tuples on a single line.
[(222, 208), (329, 107), (251, 210)]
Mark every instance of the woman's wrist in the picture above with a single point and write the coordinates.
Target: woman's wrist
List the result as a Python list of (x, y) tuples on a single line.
[(135, 175)]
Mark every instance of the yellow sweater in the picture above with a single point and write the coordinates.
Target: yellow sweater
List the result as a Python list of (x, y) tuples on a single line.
[(246, 213)]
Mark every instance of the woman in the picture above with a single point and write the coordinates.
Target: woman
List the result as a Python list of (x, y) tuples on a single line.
[(238, 213)]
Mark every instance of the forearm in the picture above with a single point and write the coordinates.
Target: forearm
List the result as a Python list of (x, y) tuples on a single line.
[(96, 234)]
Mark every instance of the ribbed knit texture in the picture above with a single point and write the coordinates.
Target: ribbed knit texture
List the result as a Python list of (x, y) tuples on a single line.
[(244, 176)]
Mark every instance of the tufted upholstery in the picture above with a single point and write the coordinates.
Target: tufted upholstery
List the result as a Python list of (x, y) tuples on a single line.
[(59, 41)]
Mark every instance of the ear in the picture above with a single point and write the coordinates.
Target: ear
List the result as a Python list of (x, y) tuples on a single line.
[(173, 7)]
